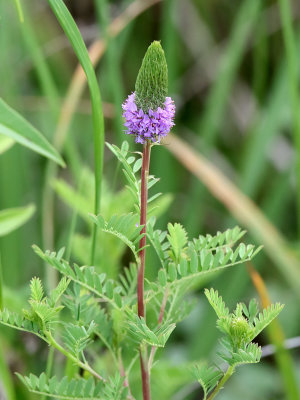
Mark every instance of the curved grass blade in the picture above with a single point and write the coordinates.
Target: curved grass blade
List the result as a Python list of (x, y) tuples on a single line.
[(14, 126), (19, 9), (71, 30)]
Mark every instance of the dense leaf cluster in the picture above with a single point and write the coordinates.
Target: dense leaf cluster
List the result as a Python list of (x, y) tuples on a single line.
[(89, 309)]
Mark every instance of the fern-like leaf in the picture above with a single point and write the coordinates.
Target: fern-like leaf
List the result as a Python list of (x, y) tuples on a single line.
[(265, 318), (77, 338), (141, 333), (86, 277), (177, 238), (36, 289), (250, 354), (75, 389), (17, 321), (217, 303), (124, 227), (208, 377)]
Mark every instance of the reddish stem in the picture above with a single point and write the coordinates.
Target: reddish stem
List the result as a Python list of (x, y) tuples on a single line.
[(145, 375), (160, 318), (141, 271), (143, 221)]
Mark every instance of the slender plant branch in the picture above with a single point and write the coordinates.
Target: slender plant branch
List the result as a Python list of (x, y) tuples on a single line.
[(143, 222), (145, 374), (141, 271), (70, 356), (124, 375), (222, 382), (160, 318)]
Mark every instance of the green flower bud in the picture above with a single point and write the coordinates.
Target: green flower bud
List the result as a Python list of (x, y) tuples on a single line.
[(239, 330), (151, 86)]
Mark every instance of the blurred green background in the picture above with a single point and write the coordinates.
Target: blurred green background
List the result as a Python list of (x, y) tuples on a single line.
[(234, 75)]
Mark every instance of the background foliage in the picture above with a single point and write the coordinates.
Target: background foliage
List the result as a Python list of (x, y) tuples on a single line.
[(233, 72)]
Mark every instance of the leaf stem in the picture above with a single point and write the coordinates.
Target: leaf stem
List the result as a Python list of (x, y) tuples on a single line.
[(222, 382), (141, 271), (62, 350)]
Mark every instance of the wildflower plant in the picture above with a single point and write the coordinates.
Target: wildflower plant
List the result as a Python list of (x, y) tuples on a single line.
[(105, 326)]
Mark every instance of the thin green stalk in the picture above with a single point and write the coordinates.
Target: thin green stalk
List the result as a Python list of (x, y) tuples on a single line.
[(291, 54), (81, 364), (71, 30), (6, 379), (5, 375), (222, 382), (49, 367), (112, 59), (43, 72), (20, 11), (260, 60), (49, 89)]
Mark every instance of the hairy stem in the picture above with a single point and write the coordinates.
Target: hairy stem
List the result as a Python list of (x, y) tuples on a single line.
[(222, 382), (141, 271)]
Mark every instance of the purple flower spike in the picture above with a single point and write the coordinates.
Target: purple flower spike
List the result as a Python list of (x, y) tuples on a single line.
[(148, 126)]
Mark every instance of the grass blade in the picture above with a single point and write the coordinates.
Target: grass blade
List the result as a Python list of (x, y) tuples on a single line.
[(20, 11), (71, 30), (17, 128)]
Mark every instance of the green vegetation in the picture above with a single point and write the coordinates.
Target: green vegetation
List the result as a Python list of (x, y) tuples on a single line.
[(72, 201)]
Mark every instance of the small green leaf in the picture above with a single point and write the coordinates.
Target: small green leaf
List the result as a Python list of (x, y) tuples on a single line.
[(13, 218), (162, 277), (137, 165)]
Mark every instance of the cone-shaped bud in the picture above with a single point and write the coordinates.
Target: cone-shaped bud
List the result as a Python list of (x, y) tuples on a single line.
[(151, 86)]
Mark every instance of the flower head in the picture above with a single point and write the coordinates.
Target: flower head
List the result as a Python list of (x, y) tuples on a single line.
[(148, 112), (151, 125)]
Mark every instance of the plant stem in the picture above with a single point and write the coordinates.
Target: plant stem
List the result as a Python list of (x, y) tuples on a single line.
[(145, 374), (160, 318), (70, 356), (143, 221), (141, 271), (222, 382)]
